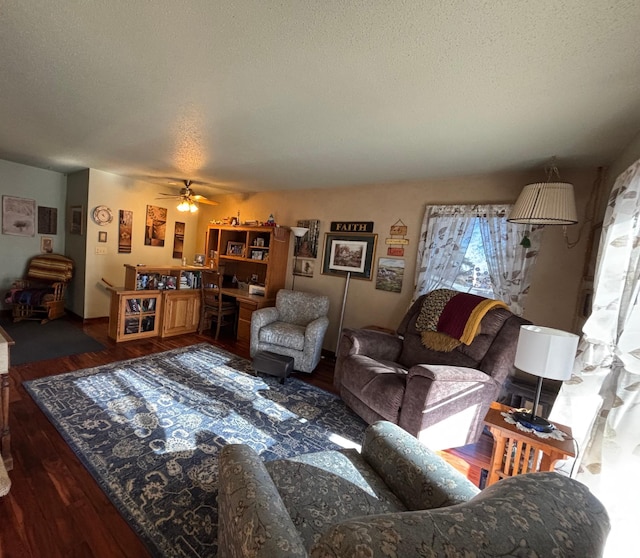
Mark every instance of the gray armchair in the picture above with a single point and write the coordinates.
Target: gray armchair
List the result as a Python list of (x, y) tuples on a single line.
[(396, 498), (295, 327)]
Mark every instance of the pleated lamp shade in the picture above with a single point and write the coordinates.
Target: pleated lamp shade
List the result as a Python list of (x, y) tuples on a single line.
[(545, 203)]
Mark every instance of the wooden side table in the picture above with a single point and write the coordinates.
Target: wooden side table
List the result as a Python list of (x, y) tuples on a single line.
[(516, 452), (5, 435)]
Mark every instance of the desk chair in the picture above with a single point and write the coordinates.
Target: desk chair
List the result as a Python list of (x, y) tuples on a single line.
[(213, 305)]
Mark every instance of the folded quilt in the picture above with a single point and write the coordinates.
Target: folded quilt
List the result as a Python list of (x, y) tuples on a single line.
[(449, 318)]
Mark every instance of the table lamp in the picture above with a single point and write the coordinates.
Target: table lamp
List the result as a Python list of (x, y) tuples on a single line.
[(546, 353), (298, 232)]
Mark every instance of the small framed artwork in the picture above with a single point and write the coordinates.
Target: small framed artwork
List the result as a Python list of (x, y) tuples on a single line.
[(47, 220), (390, 275), (304, 266), (199, 259), (235, 248), (256, 254), (102, 236), (349, 253), (18, 216), (76, 218), (46, 245)]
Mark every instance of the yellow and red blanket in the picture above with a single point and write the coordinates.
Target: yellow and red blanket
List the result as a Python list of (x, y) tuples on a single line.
[(449, 318)]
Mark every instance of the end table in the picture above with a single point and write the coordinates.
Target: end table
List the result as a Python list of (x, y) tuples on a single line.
[(516, 452)]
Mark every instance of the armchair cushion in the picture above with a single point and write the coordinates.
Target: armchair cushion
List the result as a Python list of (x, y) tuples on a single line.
[(283, 334)]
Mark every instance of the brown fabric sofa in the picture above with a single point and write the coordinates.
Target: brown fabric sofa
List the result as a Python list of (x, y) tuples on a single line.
[(439, 397)]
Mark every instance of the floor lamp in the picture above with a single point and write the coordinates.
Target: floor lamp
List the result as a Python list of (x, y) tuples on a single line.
[(298, 233)]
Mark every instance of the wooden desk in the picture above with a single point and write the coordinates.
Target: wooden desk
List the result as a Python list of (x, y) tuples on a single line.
[(5, 434), (247, 304), (516, 452)]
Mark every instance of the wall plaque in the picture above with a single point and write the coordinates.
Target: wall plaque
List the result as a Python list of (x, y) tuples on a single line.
[(352, 226)]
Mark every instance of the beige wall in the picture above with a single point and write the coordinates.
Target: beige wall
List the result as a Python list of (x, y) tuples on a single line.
[(556, 283), (117, 192)]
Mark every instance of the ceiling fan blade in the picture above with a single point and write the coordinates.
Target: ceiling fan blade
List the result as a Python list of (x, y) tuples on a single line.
[(207, 202)]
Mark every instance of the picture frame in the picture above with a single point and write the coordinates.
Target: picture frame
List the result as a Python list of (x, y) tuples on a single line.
[(102, 236), (18, 216), (349, 253), (76, 219), (309, 242), (256, 254), (390, 275), (46, 245), (125, 231), (305, 267), (47, 220), (235, 248), (199, 259)]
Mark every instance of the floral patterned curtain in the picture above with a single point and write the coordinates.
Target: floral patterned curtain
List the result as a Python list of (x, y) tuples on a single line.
[(510, 264), (602, 401), (444, 239)]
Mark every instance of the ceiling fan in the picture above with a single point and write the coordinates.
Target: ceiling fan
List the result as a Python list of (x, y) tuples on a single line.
[(188, 198)]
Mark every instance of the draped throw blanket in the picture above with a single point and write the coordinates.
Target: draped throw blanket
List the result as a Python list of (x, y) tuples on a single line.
[(449, 318)]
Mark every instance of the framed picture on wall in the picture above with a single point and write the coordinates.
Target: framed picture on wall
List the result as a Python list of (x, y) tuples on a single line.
[(76, 218), (349, 253), (18, 216)]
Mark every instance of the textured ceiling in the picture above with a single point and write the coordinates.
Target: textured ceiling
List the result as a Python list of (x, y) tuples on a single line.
[(264, 95)]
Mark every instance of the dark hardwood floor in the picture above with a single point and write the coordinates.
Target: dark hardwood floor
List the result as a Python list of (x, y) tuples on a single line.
[(55, 508)]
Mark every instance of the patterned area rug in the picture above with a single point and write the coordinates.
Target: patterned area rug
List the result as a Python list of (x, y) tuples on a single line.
[(149, 431)]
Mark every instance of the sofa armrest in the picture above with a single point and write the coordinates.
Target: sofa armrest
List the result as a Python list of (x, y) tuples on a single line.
[(444, 406), (504, 520), (374, 344), (418, 476), (252, 518)]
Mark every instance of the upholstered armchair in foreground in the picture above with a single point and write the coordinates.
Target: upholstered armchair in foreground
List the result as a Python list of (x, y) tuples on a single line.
[(396, 498), (439, 396), (295, 327)]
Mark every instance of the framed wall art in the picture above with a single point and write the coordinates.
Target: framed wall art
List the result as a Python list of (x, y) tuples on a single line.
[(76, 219), (125, 226), (47, 220), (46, 245), (309, 242), (390, 275), (18, 216), (156, 226), (349, 253), (178, 240), (102, 236)]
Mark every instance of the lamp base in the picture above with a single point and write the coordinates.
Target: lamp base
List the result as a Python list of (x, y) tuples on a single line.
[(529, 420)]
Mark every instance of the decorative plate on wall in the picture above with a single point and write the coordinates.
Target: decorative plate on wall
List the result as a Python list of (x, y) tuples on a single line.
[(102, 215)]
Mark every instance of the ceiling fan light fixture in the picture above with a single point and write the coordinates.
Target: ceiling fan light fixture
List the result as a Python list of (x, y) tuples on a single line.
[(183, 206)]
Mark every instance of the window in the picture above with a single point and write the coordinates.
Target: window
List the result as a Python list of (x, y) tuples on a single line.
[(474, 272)]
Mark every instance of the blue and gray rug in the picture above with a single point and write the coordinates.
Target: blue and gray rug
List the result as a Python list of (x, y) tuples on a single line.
[(149, 431)]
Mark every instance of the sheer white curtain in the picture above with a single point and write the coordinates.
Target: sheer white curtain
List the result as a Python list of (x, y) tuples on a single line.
[(602, 402), (444, 239), (510, 264)]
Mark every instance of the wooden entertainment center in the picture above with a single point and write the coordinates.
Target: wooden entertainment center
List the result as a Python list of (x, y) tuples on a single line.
[(165, 300)]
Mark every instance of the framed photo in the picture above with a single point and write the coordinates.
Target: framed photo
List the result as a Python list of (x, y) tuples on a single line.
[(304, 266), (102, 236), (309, 242), (76, 219), (349, 253), (156, 226), (256, 254), (18, 216), (199, 259), (47, 220), (235, 248), (46, 245), (390, 275), (125, 228)]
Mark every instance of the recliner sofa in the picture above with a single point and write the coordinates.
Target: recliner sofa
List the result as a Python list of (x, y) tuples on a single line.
[(440, 397)]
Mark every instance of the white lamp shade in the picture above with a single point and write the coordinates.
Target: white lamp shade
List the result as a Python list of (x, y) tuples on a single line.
[(299, 231), (546, 352), (545, 203)]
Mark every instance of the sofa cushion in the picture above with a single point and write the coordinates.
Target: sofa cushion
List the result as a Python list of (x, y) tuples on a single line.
[(379, 384), (344, 486), (283, 334), (470, 356)]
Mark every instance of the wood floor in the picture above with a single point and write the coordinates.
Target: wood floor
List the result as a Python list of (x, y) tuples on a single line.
[(55, 508)]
